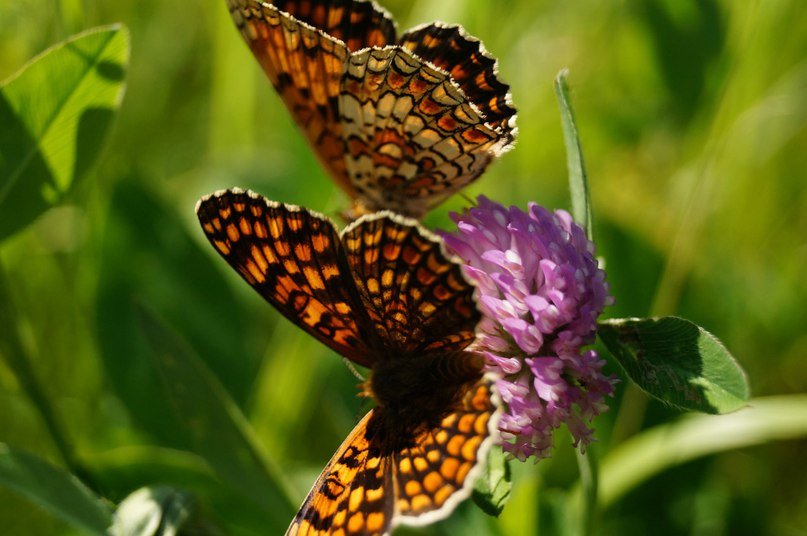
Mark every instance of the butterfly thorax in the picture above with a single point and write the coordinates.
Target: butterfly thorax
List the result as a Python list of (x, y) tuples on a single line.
[(414, 392)]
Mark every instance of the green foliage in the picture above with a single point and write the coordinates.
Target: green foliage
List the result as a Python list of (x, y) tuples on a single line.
[(219, 430), (54, 490), (156, 511), (578, 181), (677, 362), (695, 126), (55, 114), (492, 489)]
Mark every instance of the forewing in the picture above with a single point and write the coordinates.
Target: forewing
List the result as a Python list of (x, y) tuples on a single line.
[(354, 495), (295, 260), (416, 297), (413, 137), (303, 46), (436, 474)]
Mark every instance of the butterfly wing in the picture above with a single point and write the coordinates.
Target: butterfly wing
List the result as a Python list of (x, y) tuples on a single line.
[(295, 260), (413, 137), (365, 490), (303, 46), (475, 71), (436, 474), (354, 495), (415, 295)]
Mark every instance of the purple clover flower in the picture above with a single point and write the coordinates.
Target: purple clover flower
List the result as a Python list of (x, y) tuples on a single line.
[(541, 292)]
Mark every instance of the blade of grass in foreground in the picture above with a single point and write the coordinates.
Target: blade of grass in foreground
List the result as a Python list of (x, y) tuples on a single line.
[(578, 180), (54, 490), (220, 431)]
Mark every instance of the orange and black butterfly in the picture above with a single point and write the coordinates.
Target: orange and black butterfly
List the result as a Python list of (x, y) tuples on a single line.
[(399, 123), (383, 294)]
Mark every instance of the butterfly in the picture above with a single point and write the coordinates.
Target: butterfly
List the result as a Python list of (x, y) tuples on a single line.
[(383, 294), (398, 123)]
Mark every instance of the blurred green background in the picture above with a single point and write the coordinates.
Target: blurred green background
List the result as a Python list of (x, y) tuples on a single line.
[(692, 115)]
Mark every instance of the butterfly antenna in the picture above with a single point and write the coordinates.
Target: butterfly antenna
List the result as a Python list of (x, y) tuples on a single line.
[(471, 202), (354, 370)]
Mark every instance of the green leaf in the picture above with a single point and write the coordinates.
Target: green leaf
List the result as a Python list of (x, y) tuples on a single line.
[(54, 490), (492, 488), (152, 511), (55, 114), (655, 450), (677, 362), (578, 180), (220, 432)]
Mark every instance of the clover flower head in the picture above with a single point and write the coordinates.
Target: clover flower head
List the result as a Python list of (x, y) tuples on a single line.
[(540, 293)]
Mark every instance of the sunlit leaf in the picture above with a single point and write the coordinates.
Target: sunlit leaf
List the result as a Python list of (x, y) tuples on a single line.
[(54, 490), (219, 430), (677, 362), (54, 115), (492, 488), (157, 511), (578, 180)]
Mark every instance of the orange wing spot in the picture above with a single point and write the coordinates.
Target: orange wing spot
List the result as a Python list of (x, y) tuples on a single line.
[(441, 437), (257, 273), (343, 309), (405, 466), (443, 494), (441, 293), (232, 233), (217, 224), (223, 248), (313, 278), (320, 242), (329, 271), (470, 448), (353, 244), (427, 309), (208, 227), (291, 267), (339, 518), (258, 256), (283, 248), (432, 481), (481, 399), (375, 522), (449, 468), (355, 523), (433, 456), (425, 276), (374, 494), (437, 264), (454, 445), (225, 213), (391, 251), (356, 498), (295, 223), (269, 254), (303, 252), (371, 256), (481, 424), (462, 474), (371, 239), (420, 464), (372, 285), (245, 227), (412, 488), (239, 207), (275, 227), (420, 502), (466, 423), (260, 230)]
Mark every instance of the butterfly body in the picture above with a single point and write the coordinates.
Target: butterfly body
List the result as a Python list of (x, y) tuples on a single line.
[(384, 295)]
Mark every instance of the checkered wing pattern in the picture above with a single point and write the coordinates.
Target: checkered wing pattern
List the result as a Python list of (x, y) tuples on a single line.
[(398, 125), (354, 495), (295, 260), (365, 490), (439, 471), (301, 47), (417, 298)]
